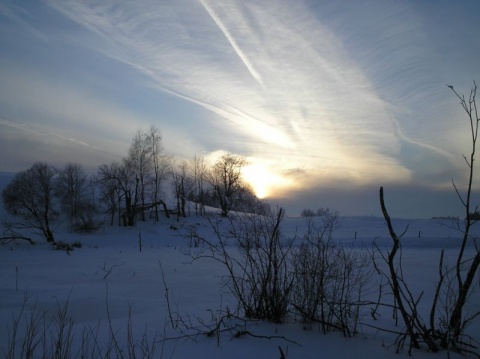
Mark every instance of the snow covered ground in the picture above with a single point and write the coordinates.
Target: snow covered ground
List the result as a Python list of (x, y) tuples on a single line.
[(109, 281)]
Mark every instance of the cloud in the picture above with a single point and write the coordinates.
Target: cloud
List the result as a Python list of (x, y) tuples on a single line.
[(304, 96), (22, 145), (62, 109), (315, 92)]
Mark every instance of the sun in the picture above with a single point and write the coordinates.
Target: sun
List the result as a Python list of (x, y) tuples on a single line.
[(261, 179)]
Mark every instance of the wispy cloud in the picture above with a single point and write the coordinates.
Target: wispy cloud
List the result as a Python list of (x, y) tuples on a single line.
[(314, 103), (334, 94), (55, 107), (32, 129)]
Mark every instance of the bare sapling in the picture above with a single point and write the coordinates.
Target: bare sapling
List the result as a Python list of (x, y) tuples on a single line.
[(465, 278), (456, 283)]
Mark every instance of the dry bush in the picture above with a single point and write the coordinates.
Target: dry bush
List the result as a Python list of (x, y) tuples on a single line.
[(330, 280)]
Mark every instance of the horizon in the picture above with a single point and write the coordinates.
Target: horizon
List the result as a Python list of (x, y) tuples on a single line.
[(327, 102), (294, 211)]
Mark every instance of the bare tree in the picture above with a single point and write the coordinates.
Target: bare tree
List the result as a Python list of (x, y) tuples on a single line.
[(182, 184), (119, 191), (160, 164), (70, 187), (75, 192), (198, 172), (465, 278), (30, 196), (247, 201), (128, 184), (133, 187), (140, 161), (110, 196), (226, 180)]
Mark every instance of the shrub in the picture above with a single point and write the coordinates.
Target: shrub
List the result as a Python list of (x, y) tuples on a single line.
[(259, 276), (329, 280)]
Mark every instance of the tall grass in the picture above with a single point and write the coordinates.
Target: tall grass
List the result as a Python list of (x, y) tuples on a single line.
[(36, 333)]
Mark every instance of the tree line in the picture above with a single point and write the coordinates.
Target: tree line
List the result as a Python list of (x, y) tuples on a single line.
[(140, 187)]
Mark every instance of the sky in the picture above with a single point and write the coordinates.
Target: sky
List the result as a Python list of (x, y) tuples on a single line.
[(328, 101)]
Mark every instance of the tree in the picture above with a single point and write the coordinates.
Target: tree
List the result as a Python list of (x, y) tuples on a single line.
[(226, 180), (133, 187), (75, 193), (150, 168), (30, 196), (119, 191), (182, 184), (247, 201), (70, 186), (198, 172), (128, 184), (160, 163), (109, 190), (141, 163), (465, 281)]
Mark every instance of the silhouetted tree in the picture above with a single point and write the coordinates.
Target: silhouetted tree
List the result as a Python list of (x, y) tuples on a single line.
[(109, 190), (198, 172), (182, 184), (160, 166), (465, 276), (128, 183), (140, 162), (30, 197), (75, 192), (226, 180)]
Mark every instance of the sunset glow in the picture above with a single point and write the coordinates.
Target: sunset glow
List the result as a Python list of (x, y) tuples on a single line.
[(260, 180)]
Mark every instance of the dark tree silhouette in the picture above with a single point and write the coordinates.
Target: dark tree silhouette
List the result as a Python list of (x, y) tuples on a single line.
[(226, 180), (30, 197)]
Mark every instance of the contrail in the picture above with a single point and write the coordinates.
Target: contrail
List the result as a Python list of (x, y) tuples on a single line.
[(232, 42), (268, 133), (38, 130), (405, 138)]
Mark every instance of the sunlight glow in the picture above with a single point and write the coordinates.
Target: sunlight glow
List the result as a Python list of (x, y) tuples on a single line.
[(263, 181)]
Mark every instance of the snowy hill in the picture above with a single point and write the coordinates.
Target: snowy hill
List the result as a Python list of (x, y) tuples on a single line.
[(140, 284)]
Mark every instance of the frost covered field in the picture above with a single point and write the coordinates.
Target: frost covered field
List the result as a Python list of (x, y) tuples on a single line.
[(113, 294)]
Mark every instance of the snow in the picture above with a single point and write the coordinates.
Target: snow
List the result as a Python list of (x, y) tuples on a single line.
[(109, 277)]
